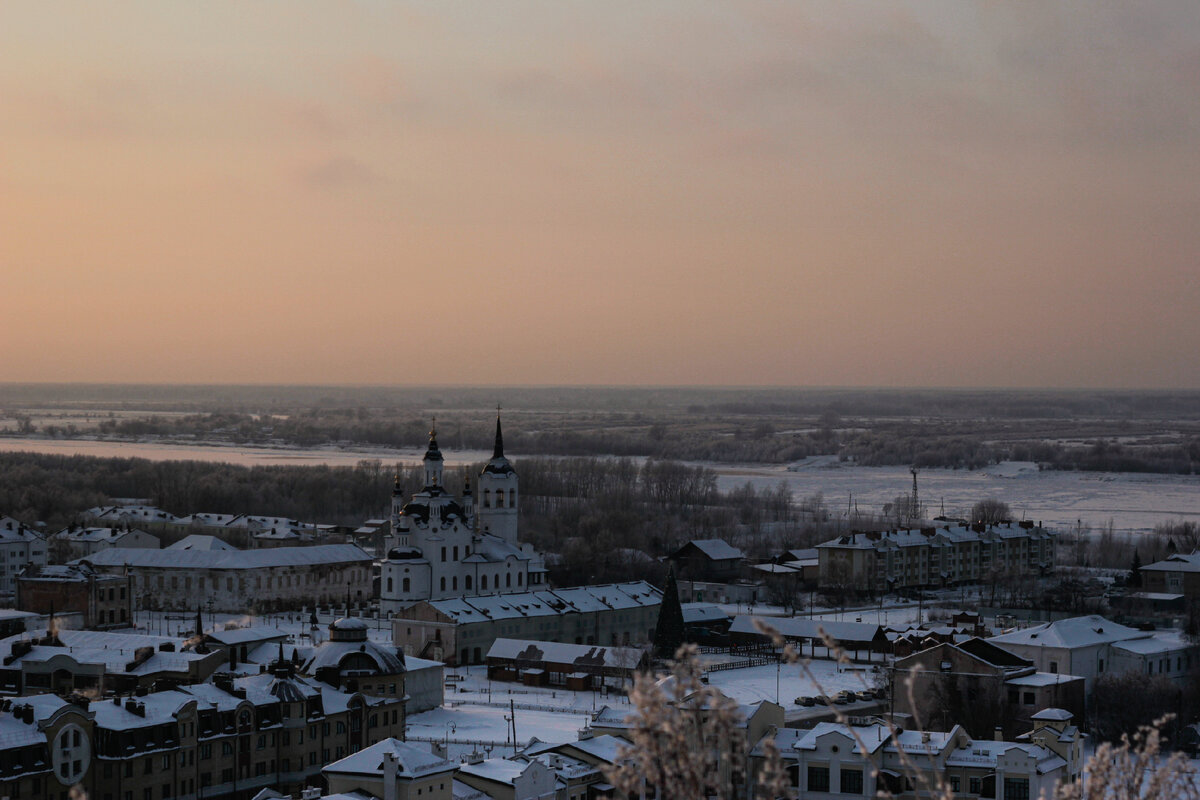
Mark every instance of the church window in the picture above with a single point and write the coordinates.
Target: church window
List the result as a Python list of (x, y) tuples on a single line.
[(443, 584), (487, 498), (499, 498), (456, 552), (508, 580), (512, 498), (483, 583), (390, 585), (454, 582), (407, 584), (468, 581), (520, 576), (443, 558)]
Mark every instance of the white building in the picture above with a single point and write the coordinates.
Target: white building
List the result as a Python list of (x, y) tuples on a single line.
[(445, 546), (1092, 645), (20, 546), (237, 580), (833, 760)]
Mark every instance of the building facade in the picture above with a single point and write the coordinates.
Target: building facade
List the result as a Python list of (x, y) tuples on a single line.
[(227, 739), (20, 547), (237, 581), (461, 630), (442, 545), (877, 562), (104, 600)]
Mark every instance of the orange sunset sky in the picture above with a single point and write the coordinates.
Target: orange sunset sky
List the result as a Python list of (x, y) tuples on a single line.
[(842, 193)]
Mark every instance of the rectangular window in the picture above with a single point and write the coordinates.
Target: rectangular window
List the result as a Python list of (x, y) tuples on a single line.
[(1054, 667), (852, 781), (818, 779), (1028, 699), (974, 785), (1016, 789)]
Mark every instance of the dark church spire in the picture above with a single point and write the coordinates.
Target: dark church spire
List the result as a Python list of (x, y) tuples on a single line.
[(498, 451)]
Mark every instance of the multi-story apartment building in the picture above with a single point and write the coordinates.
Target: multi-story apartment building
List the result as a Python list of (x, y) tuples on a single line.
[(833, 760), (262, 580), (20, 547), (105, 601), (886, 561), (461, 630), (227, 739)]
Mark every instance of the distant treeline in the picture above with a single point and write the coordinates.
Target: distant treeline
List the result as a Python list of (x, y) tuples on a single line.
[(943, 443), (604, 518)]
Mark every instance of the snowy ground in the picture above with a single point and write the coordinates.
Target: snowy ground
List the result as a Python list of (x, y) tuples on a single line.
[(1133, 501), (785, 682)]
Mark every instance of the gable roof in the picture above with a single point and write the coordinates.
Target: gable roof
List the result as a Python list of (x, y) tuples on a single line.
[(1069, 633), (715, 549), (225, 559)]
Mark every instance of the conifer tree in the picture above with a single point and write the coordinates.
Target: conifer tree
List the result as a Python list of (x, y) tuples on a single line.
[(668, 633), (1135, 571)]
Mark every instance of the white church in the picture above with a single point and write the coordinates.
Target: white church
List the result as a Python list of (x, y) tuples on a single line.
[(445, 546)]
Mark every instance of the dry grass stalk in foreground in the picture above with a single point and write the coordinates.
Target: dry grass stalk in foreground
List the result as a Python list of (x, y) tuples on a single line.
[(687, 744)]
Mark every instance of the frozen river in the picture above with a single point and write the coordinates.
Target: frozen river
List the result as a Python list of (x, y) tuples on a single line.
[(1132, 501)]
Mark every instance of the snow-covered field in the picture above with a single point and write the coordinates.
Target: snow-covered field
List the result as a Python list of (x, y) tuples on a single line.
[(1133, 501)]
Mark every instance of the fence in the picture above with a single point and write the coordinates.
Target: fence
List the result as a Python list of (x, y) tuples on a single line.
[(760, 661)]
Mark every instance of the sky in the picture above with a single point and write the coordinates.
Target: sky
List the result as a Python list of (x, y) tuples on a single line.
[(802, 194)]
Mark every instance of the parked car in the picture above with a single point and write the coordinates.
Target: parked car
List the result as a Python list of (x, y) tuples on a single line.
[(806, 701)]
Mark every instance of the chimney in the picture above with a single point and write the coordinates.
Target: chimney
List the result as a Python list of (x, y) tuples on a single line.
[(391, 768)]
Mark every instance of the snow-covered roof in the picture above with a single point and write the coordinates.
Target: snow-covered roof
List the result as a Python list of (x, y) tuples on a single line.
[(239, 636), (715, 549), (1070, 633), (95, 535), (695, 613), (798, 628), (238, 559), (1042, 679), (466, 610), (12, 530), (198, 541), (123, 513), (157, 708), (413, 761), (1158, 643), (1053, 715), (331, 654), (1180, 562), (581, 655), (16, 733)]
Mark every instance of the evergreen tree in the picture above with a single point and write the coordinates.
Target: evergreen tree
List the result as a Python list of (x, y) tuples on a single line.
[(1135, 571), (668, 633)]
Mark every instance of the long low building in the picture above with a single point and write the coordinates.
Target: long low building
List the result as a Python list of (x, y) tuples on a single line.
[(461, 630), (576, 666), (237, 581), (852, 637)]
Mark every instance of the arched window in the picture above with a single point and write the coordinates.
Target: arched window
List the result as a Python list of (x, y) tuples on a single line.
[(454, 583), (508, 580), (443, 583), (520, 577), (468, 581), (499, 498), (407, 584), (482, 582), (487, 498), (512, 498), (390, 585)]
